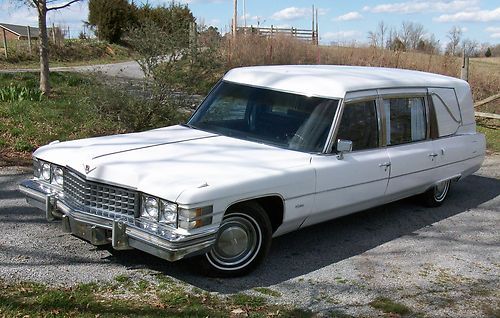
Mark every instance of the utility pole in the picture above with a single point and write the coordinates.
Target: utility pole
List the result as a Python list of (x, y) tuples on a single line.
[(245, 12), (317, 28), (235, 18), (312, 28)]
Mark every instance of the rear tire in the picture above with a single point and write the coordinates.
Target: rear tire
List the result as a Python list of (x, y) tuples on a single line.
[(436, 195), (243, 241)]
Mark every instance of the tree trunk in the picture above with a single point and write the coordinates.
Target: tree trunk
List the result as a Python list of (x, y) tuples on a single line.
[(44, 48)]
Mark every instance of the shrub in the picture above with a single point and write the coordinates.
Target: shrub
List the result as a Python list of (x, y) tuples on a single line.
[(136, 113)]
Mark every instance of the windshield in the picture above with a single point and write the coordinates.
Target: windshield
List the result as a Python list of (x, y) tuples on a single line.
[(281, 119)]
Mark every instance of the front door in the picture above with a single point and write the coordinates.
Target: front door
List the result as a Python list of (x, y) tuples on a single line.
[(359, 179)]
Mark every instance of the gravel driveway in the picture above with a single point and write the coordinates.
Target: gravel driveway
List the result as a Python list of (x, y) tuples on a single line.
[(127, 70), (441, 262)]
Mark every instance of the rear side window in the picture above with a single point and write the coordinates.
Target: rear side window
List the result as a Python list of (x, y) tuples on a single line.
[(359, 124), (405, 120)]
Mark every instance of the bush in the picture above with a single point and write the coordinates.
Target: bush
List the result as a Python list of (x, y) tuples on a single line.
[(488, 53), (136, 113)]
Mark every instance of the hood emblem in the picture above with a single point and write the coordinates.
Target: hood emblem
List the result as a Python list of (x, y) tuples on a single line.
[(88, 169)]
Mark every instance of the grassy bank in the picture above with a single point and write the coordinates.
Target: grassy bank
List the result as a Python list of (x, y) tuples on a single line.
[(79, 107), (126, 298), (68, 53)]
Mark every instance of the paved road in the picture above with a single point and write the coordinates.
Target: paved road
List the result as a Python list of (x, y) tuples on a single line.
[(443, 262), (129, 69)]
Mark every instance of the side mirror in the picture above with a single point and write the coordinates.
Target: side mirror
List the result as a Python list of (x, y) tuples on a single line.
[(343, 146)]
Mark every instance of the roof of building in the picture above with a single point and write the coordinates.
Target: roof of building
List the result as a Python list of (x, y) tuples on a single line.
[(334, 81), (20, 30)]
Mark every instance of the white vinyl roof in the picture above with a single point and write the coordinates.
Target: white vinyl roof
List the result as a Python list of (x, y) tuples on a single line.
[(334, 81)]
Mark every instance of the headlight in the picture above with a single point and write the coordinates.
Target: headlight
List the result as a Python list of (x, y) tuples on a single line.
[(150, 208), (168, 213), (45, 171), (57, 175), (195, 218), (162, 211)]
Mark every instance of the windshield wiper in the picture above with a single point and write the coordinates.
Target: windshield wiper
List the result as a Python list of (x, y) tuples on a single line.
[(190, 126)]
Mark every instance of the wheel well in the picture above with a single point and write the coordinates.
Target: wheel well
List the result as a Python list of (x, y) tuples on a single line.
[(273, 205)]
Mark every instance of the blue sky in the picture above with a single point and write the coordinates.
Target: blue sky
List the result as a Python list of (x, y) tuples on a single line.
[(343, 21)]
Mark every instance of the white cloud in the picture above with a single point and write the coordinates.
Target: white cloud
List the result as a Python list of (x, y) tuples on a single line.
[(423, 6), (493, 29), (464, 29), (495, 32), (354, 15), (291, 13), (250, 17), (341, 35), (471, 16), (294, 13)]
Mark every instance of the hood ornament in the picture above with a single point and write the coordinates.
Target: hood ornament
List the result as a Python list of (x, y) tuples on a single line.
[(88, 169)]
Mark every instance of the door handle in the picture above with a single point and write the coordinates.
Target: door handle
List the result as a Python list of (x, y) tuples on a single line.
[(385, 164), (433, 155)]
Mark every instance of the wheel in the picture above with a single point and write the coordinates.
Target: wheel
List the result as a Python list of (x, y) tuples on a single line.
[(242, 242), (437, 194)]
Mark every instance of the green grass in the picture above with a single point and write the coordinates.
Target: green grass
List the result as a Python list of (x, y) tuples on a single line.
[(492, 134), (92, 300), (247, 300), (388, 306), (267, 291), (69, 53)]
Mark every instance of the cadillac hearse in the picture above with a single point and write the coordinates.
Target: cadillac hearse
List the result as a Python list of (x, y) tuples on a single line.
[(271, 149)]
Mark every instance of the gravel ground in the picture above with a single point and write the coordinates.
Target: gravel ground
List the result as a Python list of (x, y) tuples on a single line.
[(441, 262)]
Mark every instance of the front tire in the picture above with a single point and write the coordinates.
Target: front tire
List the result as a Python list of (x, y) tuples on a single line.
[(243, 241), (436, 195)]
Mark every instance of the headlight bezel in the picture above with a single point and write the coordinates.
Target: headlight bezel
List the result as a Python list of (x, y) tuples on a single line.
[(165, 212), (48, 172)]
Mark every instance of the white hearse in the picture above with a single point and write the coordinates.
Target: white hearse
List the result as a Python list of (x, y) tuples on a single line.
[(272, 149)]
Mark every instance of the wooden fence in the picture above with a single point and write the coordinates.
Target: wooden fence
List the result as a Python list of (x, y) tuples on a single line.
[(302, 34), (486, 101)]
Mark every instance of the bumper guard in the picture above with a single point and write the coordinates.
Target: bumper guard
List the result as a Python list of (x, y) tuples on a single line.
[(122, 234)]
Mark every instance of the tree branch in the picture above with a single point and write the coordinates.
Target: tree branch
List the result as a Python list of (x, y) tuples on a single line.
[(62, 6)]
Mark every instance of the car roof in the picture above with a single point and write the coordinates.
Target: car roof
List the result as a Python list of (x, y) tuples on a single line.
[(334, 81)]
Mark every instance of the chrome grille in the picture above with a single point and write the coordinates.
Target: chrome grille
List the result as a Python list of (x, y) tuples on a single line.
[(98, 198)]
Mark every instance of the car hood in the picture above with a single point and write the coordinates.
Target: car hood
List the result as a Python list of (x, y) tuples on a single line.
[(170, 161)]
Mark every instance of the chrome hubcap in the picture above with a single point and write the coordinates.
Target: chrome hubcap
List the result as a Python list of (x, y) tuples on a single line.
[(440, 190), (237, 244), (232, 241)]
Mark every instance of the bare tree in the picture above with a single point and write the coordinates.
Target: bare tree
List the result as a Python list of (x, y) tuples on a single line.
[(377, 37), (43, 7), (411, 34), (373, 37), (470, 47), (382, 30), (455, 35)]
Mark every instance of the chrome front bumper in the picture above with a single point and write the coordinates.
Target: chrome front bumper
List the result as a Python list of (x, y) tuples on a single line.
[(121, 233)]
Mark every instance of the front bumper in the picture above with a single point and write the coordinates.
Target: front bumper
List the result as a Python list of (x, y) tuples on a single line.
[(122, 232)]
